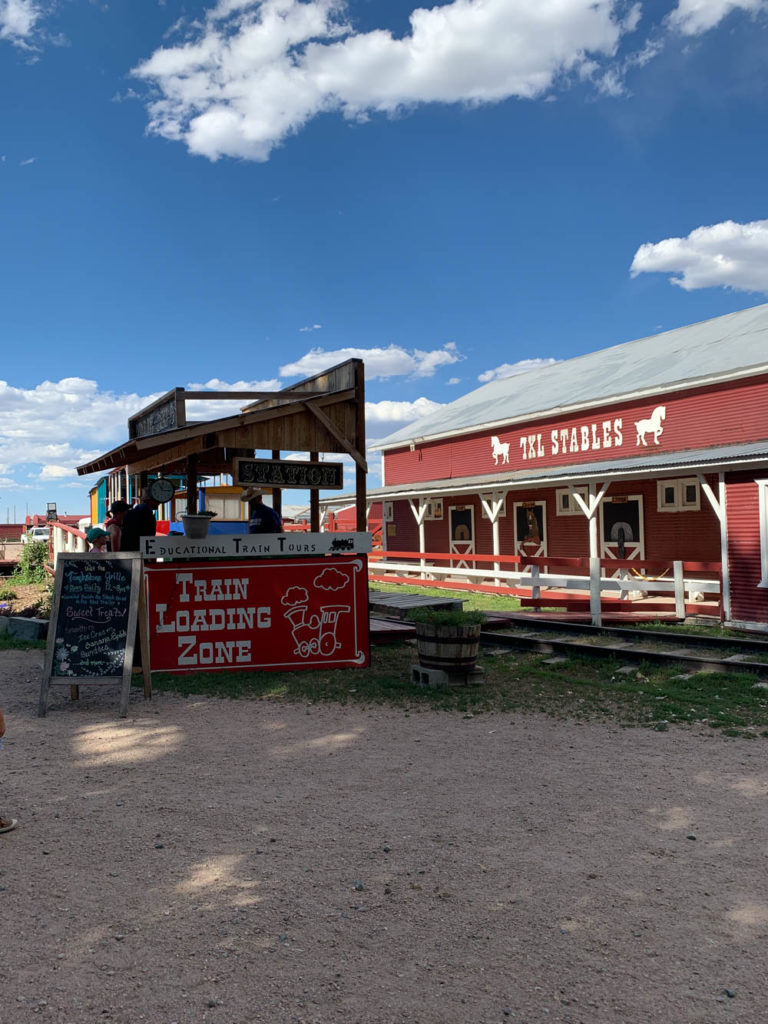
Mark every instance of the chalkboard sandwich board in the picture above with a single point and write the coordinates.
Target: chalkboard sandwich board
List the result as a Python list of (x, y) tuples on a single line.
[(92, 631)]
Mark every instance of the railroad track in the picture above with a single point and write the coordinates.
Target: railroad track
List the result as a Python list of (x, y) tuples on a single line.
[(694, 651)]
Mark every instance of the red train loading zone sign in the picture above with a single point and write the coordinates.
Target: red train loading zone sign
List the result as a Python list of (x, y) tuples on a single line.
[(279, 614), (277, 473)]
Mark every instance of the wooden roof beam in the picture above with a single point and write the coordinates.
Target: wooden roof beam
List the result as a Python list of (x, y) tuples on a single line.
[(348, 448)]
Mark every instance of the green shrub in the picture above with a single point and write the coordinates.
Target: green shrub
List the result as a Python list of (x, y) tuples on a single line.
[(31, 566), (6, 594)]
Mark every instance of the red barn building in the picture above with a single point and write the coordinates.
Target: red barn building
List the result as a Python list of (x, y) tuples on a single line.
[(655, 449)]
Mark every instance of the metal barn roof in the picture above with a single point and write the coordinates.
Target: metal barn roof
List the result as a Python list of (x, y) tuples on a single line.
[(726, 347)]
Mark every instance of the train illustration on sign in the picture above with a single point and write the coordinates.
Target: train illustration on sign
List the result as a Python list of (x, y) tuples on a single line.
[(316, 634)]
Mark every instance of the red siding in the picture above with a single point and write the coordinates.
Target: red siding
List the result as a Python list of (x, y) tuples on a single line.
[(748, 602), (699, 418), (12, 531), (689, 535)]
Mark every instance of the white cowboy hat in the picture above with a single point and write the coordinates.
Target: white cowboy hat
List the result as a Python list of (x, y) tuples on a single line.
[(251, 492)]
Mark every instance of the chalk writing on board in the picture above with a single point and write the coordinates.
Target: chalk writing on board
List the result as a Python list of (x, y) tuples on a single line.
[(91, 626)]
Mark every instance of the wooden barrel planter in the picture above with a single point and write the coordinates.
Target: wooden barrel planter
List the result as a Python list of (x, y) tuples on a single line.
[(452, 648)]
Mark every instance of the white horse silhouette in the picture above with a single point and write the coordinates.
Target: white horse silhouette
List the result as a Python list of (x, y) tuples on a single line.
[(499, 449), (651, 426)]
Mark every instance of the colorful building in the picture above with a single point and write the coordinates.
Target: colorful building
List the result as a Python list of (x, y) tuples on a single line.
[(656, 449)]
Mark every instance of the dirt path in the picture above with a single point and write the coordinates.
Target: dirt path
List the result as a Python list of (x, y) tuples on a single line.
[(238, 862)]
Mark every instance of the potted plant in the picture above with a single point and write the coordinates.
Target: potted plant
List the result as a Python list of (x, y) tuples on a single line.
[(447, 639), (196, 524)]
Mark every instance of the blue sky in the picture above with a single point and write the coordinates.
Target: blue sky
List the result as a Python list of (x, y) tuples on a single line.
[(240, 194)]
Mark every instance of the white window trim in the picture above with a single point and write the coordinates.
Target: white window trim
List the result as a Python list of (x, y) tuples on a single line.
[(679, 503), (576, 509), (762, 492)]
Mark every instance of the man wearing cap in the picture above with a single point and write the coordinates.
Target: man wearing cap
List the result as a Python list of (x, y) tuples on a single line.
[(261, 518), (139, 522)]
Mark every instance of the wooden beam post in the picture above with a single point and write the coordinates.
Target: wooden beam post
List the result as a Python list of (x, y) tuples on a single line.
[(360, 474), (277, 493), (191, 484), (314, 502)]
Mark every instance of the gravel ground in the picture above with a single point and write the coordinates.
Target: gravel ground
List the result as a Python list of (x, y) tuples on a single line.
[(236, 862)]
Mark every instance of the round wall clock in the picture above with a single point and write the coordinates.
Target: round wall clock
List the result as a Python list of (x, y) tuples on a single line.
[(162, 489)]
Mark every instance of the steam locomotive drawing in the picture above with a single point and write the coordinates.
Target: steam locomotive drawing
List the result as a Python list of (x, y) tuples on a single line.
[(316, 634)]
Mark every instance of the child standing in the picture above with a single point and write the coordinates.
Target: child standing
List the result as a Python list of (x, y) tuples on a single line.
[(97, 538), (6, 824)]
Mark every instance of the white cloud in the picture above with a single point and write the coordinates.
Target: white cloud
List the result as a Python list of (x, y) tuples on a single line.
[(47, 431), (310, 327), (726, 255), (215, 408), (393, 361), (257, 71), (692, 17), (398, 413), (90, 421), (18, 19), (34, 421), (512, 369)]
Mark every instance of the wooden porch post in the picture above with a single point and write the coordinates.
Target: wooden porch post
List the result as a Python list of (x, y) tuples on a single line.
[(360, 474), (277, 494), (191, 485), (314, 502)]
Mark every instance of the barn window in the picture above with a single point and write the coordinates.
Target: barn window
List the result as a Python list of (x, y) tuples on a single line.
[(567, 504), (434, 509), (679, 495)]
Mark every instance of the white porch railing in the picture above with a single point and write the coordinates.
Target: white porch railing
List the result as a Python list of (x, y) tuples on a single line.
[(580, 582), (66, 539)]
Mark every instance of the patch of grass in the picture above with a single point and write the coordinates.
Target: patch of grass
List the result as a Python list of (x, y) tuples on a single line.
[(472, 602), (684, 629), (12, 643), (576, 689)]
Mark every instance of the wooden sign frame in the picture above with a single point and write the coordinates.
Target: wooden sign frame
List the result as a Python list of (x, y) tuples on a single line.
[(134, 616)]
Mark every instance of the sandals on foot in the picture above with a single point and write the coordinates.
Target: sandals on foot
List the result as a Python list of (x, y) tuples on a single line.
[(8, 824)]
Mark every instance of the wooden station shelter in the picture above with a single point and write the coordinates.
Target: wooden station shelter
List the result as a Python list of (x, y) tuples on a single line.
[(322, 414), (655, 449)]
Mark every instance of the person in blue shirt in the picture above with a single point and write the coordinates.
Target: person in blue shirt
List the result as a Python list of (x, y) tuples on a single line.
[(261, 518)]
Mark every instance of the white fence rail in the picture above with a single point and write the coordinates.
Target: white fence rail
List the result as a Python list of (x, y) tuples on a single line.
[(530, 580)]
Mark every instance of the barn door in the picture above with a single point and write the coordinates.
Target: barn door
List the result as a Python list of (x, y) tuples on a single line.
[(531, 529), (621, 528), (461, 523)]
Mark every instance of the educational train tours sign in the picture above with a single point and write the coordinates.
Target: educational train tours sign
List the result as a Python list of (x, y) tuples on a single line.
[(256, 545), (276, 614)]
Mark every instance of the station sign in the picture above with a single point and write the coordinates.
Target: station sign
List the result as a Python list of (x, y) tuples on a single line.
[(281, 473), (277, 615)]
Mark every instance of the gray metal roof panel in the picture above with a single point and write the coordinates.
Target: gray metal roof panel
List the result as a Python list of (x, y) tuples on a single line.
[(715, 348)]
